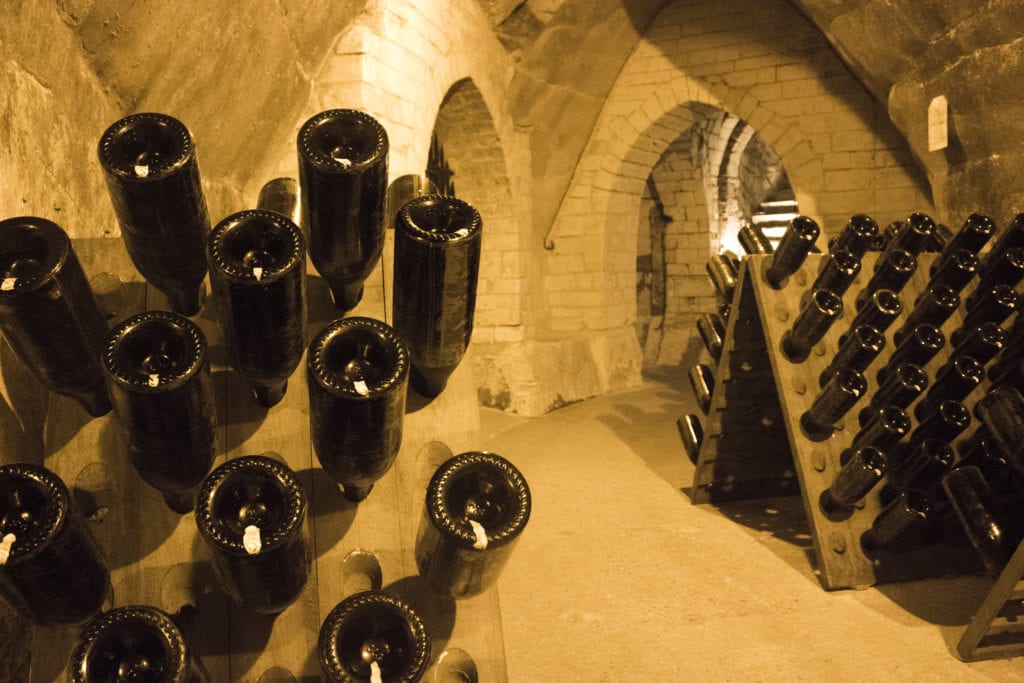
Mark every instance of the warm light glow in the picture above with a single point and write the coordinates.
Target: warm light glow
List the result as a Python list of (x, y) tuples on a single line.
[(773, 217), (729, 240)]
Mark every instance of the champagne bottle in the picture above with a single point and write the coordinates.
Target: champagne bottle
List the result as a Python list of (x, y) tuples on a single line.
[(251, 513), (981, 343), (945, 423), (838, 273), (972, 236), (158, 375), (879, 311), (692, 434), (477, 505), (954, 381), (885, 428), (792, 251), (281, 195), (914, 235), (857, 236), (919, 466), (702, 381), (257, 271), (343, 175), (52, 570), (1002, 412), (832, 403), (893, 270), (935, 307), (956, 270), (724, 276), (899, 388), (857, 351), (152, 176), (858, 476), (711, 328), (816, 317), (897, 521), (981, 516), (135, 643), (357, 374), (373, 635), (753, 240), (994, 306), (48, 312), (1007, 269), (1011, 236), (918, 347), (436, 264)]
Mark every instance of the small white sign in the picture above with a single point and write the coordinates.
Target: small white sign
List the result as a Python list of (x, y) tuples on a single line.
[(938, 124)]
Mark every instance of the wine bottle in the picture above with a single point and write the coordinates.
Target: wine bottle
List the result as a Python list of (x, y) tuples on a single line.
[(723, 275), (403, 189), (838, 273), (702, 381), (1008, 370), (373, 635), (858, 476), (152, 176), (711, 328), (281, 195), (816, 317), (935, 307), (477, 505), (879, 311), (939, 239), (251, 513), (343, 176), (897, 521), (892, 271), (914, 234), (918, 347), (918, 466), (981, 450), (956, 270), (158, 375), (1002, 412), (692, 435), (857, 236), (972, 236), (945, 423), (358, 375), (885, 428), (954, 381), (135, 643), (834, 401), (49, 313), (899, 388), (981, 516), (437, 261), (981, 343), (1011, 236), (52, 570), (792, 251), (994, 306), (1008, 269), (257, 272), (753, 240), (857, 351)]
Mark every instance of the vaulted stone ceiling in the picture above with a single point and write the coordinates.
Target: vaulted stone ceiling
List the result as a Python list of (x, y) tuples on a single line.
[(905, 52)]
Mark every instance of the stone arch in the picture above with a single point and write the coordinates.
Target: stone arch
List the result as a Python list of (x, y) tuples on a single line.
[(472, 147)]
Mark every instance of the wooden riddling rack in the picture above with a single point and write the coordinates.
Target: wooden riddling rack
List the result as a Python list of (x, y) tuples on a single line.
[(157, 557), (744, 453)]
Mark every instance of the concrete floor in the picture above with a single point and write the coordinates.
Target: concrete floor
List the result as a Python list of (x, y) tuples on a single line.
[(619, 577)]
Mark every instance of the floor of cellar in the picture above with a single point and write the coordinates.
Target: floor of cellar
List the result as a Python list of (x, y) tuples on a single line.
[(619, 577)]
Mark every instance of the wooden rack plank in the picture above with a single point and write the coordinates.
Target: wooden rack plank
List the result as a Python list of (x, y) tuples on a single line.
[(997, 629)]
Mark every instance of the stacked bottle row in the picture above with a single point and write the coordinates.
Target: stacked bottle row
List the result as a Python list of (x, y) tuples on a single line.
[(251, 515), (910, 447), (153, 370)]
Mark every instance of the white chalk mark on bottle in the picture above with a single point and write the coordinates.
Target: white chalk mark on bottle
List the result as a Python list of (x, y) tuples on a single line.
[(257, 272), (462, 232), (375, 676), (361, 388), (481, 535), (251, 540), (142, 170), (5, 548), (8, 284), (154, 379)]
